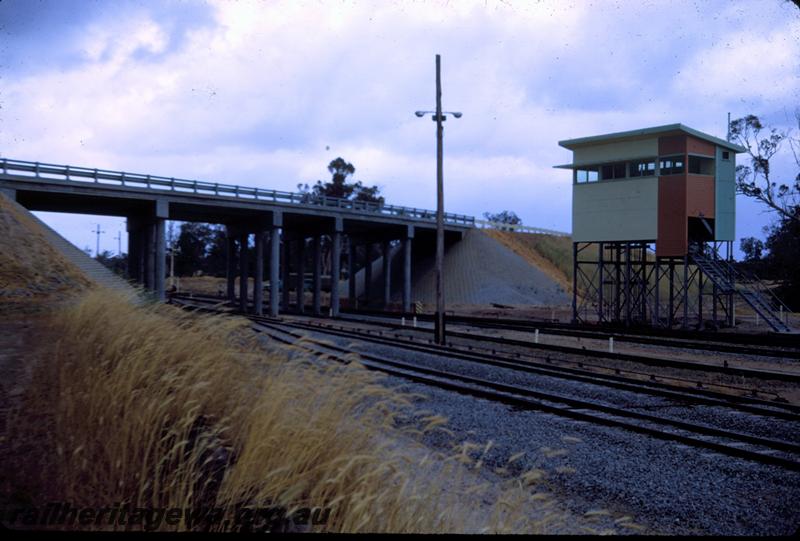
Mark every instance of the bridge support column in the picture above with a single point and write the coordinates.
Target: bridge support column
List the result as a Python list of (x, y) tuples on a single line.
[(130, 267), (285, 272), (160, 254), (387, 276), (274, 270), (243, 239), (336, 259), (135, 252), (367, 273), (301, 268), (351, 274), (230, 261), (150, 256), (317, 292), (258, 278), (407, 244)]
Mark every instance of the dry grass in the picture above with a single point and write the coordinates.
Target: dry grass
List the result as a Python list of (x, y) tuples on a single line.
[(32, 273), (152, 407)]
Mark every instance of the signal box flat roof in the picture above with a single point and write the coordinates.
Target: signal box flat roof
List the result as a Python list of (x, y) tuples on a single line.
[(668, 129)]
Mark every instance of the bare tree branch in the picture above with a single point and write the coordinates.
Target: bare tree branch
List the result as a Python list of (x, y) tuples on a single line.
[(755, 180)]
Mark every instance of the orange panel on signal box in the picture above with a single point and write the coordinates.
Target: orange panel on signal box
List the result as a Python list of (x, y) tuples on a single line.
[(700, 196), (672, 144), (698, 146), (672, 221)]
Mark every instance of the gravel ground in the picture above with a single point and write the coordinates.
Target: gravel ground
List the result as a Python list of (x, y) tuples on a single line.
[(667, 487), (715, 416)]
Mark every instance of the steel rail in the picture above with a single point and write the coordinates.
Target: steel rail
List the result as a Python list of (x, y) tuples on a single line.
[(571, 408), (700, 337), (743, 403)]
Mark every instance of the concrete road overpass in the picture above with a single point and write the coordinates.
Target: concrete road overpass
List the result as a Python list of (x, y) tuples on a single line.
[(281, 222)]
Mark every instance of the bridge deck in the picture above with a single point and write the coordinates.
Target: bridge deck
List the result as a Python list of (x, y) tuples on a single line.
[(99, 191)]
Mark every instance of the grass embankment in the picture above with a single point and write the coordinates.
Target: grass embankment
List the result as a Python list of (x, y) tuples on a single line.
[(32, 273), (551, 254), (156, 408)]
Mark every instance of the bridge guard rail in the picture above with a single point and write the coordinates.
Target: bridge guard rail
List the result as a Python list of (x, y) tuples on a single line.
[(70, 173)]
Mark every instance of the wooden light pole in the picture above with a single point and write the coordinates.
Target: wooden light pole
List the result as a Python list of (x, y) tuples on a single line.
[(439, 117)]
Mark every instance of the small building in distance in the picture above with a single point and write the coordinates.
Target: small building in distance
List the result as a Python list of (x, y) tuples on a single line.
[(653, 224)]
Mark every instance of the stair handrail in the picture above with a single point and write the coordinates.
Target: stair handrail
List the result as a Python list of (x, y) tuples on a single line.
[(749, 281)]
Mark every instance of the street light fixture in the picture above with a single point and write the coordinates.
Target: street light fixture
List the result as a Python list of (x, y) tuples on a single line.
[(439, 117)]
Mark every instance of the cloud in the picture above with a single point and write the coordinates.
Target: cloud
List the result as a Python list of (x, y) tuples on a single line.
[(254, 92)]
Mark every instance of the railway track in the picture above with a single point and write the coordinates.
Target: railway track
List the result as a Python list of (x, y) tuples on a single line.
[(769, 344), (648, 360), (755, 448), (655, 383)]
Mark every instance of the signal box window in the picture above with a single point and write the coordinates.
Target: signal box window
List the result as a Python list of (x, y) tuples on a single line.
[(672, 165), (586, 175), (643, 168), (612, 170)]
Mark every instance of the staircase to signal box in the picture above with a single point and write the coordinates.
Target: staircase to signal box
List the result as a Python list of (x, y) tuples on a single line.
[(731, 280)]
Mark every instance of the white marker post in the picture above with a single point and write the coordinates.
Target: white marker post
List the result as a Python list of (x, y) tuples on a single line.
[(536, 336), (611, 344)]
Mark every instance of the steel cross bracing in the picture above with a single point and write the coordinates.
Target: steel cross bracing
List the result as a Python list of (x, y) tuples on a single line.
[(625, 283), (83, 175)]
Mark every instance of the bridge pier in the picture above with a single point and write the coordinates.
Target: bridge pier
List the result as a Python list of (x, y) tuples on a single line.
[(407, 245), (336, 259), (387, 274), (351, 274), (243, 240), (367, 272), (150, 256), (285, 272), (147, 254), (160, 255), (316, 244), (274, 269), (258, 279), (134, 252), (301, 267), (230, 260)]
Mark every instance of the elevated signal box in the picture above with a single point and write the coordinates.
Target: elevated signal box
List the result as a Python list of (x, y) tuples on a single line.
[(653, 224)]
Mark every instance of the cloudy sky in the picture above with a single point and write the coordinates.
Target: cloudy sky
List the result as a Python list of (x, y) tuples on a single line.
[(268, 93)]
